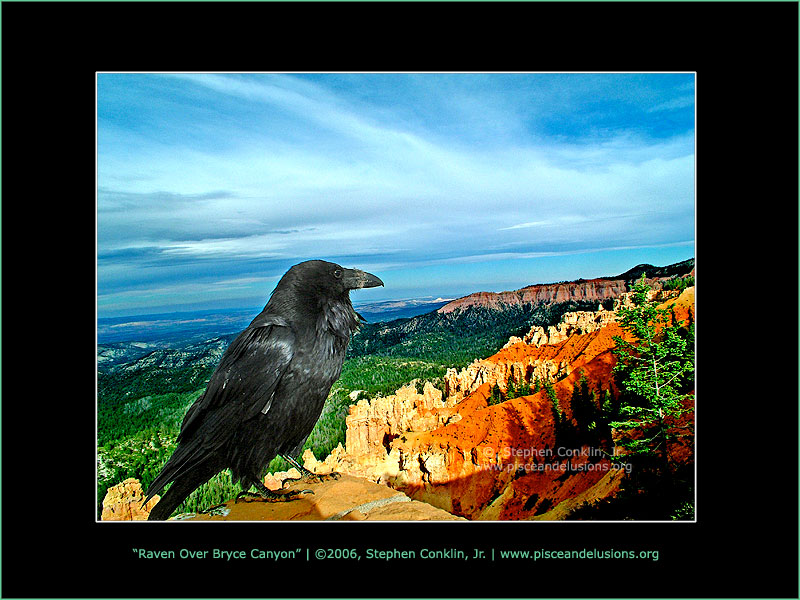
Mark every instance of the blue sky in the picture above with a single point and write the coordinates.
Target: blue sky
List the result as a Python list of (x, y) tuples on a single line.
[(210, 186)]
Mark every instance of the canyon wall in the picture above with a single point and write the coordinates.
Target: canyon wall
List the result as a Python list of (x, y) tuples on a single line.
[(592, 289), (479, 461)]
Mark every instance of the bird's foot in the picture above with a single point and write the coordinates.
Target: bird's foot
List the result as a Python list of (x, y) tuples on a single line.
[(251, 495), (309, 477), (217, 509), (265, 494)]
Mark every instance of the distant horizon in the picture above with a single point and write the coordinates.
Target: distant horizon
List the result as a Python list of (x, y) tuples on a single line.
[(211, 185), (257, 307)]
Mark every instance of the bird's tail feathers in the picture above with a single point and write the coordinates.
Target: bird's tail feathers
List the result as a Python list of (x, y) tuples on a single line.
[(181, 461), (188, 467), (182, 486)]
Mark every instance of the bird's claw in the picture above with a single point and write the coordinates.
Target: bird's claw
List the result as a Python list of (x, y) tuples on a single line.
[(217, 510), (312, 478), (210, 509), (287, 496), (252, 495), (272, 496)]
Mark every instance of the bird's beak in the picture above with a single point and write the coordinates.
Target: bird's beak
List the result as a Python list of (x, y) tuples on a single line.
[(354, 279)]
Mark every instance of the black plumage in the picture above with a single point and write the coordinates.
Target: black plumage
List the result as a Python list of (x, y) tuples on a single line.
[(268, 390)]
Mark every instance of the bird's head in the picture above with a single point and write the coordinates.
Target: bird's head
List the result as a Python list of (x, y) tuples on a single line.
[(327, 278), (318, 292)]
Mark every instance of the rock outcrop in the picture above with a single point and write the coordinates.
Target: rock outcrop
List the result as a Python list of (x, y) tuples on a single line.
[(578, 322), (579, 337), (372, 426), (599, 289), (369, 424), (472, 459), (495, 462), (527, 363), (344, 499), (592, 290), (123, 502)]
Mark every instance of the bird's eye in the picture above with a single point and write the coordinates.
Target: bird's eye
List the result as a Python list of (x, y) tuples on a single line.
[(337, 273)]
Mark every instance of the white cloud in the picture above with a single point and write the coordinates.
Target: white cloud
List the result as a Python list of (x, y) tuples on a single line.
[(505, 256), (526, 225), (673, 104), (321, 173)]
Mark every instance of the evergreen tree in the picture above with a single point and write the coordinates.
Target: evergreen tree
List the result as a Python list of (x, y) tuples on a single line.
[(496, 396), (654, 371), (511, 389), (562, 425), (584, 409), (608, 413), (516, 389)]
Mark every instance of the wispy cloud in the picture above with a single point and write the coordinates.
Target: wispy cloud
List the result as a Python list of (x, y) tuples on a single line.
[(206, 177), (505, 256), (674, 103), (526, 225)]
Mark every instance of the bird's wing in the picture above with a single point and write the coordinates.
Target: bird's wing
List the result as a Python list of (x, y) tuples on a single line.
[(245, 379), (241, 387)]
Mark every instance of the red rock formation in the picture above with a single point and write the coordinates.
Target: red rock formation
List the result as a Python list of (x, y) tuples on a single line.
[(524, 362), (469, 463), (583, 289), (571, 323), (490, 463), (500, 461), (592, 289), (372, 426)]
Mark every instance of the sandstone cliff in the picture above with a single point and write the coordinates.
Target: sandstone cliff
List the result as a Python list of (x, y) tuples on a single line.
[(480, 466), (571, 323), (593, 289), (565, 347), (572, 348), (599, 289)]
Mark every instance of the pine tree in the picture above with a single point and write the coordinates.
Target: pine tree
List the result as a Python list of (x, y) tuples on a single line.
[(584, 409), (496, 396), (562, 426), (654, 371), (511, 389)]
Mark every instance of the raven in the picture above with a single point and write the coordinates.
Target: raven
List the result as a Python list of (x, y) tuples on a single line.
[(268, 390)]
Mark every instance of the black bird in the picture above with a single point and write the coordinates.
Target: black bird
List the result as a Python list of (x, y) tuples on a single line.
[(269, 388)]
